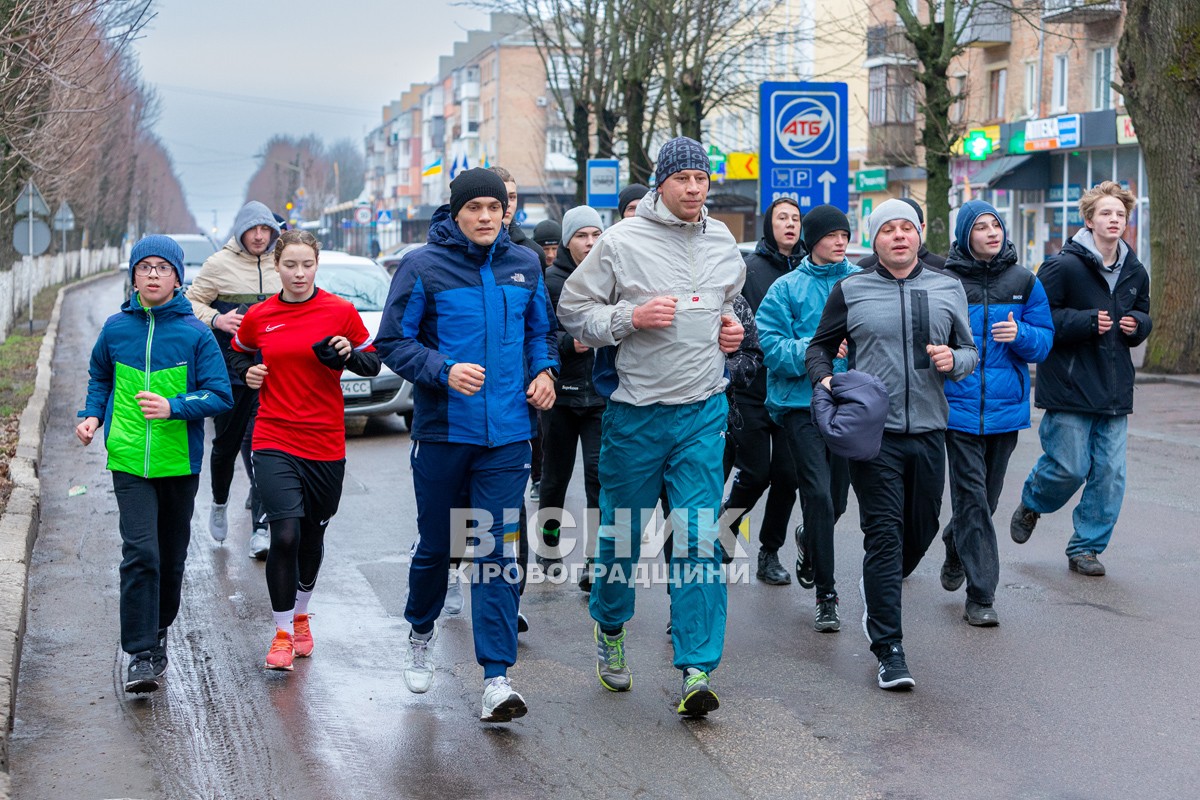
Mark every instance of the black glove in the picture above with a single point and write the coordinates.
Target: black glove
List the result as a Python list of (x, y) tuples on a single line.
[(327, 355)]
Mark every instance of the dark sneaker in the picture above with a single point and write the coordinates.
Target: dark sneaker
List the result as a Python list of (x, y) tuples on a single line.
[(981, 616), (535, 491), (893, 671), (611, 668), (826, 620), (770, 571), (1023, 522), (158, 655), (952, 570), (805, 572), (552, 568), (522, 623), (698, 697), (140, 678), (1086, 564), (585, 579)]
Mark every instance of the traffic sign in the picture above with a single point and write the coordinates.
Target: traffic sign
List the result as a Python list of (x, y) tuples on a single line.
[(804, 144), (31, 239), (29, 200), (603, 182), (362, 215), (64, 220), (384, 217)]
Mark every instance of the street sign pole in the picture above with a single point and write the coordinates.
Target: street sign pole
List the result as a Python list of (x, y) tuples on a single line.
[(29, 272)]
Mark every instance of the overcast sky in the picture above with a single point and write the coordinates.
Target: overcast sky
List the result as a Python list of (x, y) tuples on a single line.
[(231, 73)]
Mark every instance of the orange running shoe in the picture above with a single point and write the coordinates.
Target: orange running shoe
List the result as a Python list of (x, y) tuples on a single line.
[(282, 650), (304, 641)]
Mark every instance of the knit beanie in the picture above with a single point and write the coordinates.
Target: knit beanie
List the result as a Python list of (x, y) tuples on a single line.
[(578, 218), (888, 211), (916, 207), (547, 232), (163, 247), (819, 222), (634, 191), (677, 155), (475, 183), (971, 211), (769, 220)]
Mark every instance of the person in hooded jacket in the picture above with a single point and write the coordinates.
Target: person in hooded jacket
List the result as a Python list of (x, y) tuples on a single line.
[(1012, 328), (761, 455), (155, 374), (239, 275), (1099, 295)]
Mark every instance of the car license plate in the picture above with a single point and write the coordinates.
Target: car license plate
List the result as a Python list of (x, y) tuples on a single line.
[(356, 388)]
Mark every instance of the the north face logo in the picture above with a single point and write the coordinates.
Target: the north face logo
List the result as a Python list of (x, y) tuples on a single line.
[(518, 278)]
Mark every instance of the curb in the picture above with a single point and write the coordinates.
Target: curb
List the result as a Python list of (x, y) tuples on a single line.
[(1191, 381), (19, 525)]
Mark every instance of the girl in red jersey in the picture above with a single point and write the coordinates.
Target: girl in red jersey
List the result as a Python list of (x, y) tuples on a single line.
[(306, 337)]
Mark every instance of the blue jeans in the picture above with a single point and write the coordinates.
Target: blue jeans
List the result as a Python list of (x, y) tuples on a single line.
[(1080, 450)]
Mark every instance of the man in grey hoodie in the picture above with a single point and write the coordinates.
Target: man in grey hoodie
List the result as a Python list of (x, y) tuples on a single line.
[(900, 491), (661, 287)]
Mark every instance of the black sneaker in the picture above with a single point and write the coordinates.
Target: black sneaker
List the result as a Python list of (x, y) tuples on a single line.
[(522, 623), (981, 616), (893, 671), (826, 620), (158, 655), (140, 677), (551, 567), (535, 491), (952, 570), (1086, 564), (770, 571), (805, 572), (1023, 522)]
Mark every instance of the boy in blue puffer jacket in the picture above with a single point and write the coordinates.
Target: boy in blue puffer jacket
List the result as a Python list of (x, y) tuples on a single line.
[(1012, 327)]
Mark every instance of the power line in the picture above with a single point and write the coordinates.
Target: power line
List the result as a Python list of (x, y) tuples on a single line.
[(269, 101)]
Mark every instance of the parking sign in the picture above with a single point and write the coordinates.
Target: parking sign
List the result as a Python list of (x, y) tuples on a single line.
[(803, 146)]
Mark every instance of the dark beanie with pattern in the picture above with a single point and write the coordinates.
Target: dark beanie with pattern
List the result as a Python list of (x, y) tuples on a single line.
[(473, 184), (677, 155)]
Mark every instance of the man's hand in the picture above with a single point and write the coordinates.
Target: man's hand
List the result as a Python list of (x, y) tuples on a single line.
[(658, 312), (1128, 325), (540, 393), (229, 322), (255, 376), (1005, 330), (731, 335), (342, 345), (86, 430), (154, 406), (580, 347), (1103, 322), (941, 356), (827, 382), (466, 378), (843, 349)]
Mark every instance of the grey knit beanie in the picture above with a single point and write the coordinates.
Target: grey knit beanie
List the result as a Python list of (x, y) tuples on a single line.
[(577, 218), (890, 210)]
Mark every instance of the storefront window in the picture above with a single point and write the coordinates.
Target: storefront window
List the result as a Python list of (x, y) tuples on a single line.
[(1102, 166), (1127, 169)]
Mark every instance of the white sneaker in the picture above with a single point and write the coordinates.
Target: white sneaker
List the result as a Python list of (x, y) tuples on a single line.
[(418, 670), (454, 595), (218, 525), (260, 543), (500, 702)]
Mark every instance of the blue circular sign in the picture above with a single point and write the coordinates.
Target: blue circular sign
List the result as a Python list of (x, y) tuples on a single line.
[(805, 127)]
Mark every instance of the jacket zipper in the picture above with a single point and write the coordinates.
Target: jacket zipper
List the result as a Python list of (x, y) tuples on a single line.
[(906, 345), (983, 350), (149, 343)]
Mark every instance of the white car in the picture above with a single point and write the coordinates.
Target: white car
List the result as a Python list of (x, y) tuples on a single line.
[(365, 284)]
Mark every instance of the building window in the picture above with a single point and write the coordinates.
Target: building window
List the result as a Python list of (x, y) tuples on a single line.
[(890, 96), (1102, 77), (1032, 90), (997, 87), (558, 142), (1058, 90)]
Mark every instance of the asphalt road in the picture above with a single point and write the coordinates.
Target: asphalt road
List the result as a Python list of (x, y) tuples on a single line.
[(1084, 691)]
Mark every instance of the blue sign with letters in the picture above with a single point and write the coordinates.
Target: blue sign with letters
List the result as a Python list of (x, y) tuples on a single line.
[(603, 182), (803, 149)]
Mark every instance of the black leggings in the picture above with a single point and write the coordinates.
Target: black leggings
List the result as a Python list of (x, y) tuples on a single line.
[(297, 547)]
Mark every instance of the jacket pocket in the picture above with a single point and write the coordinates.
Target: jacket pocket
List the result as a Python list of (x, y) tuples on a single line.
[(515, 302)]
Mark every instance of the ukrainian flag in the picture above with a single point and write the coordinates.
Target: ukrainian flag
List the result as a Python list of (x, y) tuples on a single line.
[(433, 169)]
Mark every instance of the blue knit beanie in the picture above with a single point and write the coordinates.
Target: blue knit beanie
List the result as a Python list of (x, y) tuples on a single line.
[(677, 155), (163, 247)]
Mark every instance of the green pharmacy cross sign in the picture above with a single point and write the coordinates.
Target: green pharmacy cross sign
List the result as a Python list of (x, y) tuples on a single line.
[(977, 145)]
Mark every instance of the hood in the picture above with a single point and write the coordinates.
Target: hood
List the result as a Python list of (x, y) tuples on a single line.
[(838, 269), (656, 210), (966, 264), (564, 260), (971, 211), (444, 232), (768, 227), (177, 306), (769, 251), (1085, 241), (516, 233), (252, 214)]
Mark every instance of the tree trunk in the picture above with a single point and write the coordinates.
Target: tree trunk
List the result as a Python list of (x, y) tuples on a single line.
[(640, 167), (581, 126), (1160, 75)]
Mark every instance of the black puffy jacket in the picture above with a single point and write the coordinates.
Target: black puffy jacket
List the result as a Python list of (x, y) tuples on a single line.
[(574, 386)]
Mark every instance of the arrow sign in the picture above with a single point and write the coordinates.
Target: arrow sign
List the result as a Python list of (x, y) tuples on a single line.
[(826, 178)]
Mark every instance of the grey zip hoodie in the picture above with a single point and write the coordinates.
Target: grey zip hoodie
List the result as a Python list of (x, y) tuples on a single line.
[(653, 254)]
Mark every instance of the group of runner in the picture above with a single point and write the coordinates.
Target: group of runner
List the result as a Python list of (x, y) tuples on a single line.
[(667, 359)]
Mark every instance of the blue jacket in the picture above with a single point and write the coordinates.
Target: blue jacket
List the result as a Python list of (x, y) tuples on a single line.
[(995, 397), (165, 350), (454, 301), (787, 320)]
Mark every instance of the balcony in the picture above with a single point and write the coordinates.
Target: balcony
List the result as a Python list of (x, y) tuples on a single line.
[(1081, 10), (986, 26), (894, 143), (887, 43), (468, 90)]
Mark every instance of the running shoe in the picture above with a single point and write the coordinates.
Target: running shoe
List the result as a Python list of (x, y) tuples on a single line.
[(893, 670), (140, 677), (611, 668), (158, 655), (260, 544), (501, 703), (826, 619), (698, 698), (418, 670), (282, 651), (303, 643), (218, 523)]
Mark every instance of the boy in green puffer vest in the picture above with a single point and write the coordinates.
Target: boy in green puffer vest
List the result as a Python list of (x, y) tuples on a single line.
[(156, 373)]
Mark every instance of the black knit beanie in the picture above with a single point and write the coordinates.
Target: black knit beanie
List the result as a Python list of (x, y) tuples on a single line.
[(634, 191), (916, 207), (820, 221), (768, 220), (475, 183)]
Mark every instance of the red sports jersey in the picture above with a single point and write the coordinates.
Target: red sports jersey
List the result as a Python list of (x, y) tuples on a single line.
[(300, 406)]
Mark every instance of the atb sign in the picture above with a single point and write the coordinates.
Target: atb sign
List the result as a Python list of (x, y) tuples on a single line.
[(804, 143)]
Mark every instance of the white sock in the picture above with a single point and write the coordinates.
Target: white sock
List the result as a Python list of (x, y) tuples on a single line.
[(302, 599), (421, 637), (283, 620)]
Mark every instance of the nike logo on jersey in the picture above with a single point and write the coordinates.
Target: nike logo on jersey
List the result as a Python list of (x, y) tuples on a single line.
[(270, 328)]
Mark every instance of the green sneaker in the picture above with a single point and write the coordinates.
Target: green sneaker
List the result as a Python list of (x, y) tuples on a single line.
[(698, 698), (611, 668)]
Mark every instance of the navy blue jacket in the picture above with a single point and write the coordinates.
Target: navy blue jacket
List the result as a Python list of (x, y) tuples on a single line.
[(454, 301), (995, 397)]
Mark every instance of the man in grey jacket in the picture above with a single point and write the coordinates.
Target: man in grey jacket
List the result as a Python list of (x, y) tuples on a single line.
[(661, 287), (900, 491)]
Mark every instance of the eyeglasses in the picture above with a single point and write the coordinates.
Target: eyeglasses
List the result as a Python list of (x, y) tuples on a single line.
[(142, 268)]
